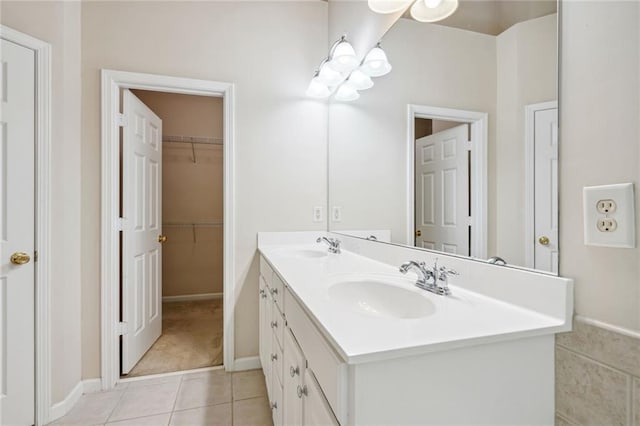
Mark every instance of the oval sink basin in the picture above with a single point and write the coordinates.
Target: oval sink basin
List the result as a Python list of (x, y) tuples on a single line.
[(304, 253), (377, 298)]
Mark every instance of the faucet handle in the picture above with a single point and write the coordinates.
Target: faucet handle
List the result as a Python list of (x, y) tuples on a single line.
[(446, 271)]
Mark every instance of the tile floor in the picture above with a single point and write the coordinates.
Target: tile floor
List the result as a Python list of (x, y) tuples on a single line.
[(192, 399)]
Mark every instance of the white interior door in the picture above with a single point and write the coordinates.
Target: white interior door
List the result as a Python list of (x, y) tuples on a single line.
[(142, 212), (546, 189), (442, 191), (17, 229)]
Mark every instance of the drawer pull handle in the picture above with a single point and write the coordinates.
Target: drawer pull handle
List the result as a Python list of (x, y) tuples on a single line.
[(274, 357), (302, 391), (294, 371), (274, 405)]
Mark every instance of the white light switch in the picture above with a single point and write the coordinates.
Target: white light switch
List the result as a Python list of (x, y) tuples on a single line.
[(336, 214), (609, 216)]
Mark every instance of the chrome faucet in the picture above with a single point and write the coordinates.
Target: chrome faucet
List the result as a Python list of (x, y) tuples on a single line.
[(334, 244), (435, 280), (496, 260)]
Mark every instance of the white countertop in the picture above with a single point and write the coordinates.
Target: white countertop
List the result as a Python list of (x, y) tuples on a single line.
[(462, 319)]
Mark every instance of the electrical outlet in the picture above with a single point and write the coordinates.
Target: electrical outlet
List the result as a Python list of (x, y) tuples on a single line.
[(336, 214), (317, 214), (606, 206), (609, 216), (606, 224)]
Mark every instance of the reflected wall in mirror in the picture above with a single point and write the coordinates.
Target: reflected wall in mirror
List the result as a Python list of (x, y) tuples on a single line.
[(456, 149)]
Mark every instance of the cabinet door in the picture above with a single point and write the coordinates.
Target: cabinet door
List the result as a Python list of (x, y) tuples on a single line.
[(316, 409), (277, 405), (266, 334), (294, 366)]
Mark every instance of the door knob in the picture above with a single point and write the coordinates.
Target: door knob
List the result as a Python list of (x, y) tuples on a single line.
[(20, 258), (418, 233), (544, 240), (162, 238)]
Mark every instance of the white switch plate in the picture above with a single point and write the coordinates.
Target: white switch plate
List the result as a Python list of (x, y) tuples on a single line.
[(317, 214), (623, 234), (336, 214)]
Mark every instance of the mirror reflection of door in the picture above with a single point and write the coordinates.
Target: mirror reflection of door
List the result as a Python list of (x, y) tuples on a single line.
[(442, 186), (542, 126)]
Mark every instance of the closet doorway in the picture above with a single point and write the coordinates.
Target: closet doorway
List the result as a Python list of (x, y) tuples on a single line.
[(172, 176)]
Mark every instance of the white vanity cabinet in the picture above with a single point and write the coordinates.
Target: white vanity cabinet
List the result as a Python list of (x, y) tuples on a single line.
[(295, 395)]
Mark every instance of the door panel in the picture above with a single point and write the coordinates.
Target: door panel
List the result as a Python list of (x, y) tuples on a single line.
[(17, 233), (442, 191), (142, 211), (546, 189)]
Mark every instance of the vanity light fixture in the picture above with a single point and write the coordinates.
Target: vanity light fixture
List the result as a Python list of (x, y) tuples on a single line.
[(422, 10), (359, 80), (346, 93), (342, 57), (317, 88), (376, 64)]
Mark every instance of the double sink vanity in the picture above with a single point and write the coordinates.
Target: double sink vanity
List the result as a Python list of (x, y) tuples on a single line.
[(348, 337)]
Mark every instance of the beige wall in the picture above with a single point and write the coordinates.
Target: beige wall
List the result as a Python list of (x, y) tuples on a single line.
[(527, 73), (59, 24), (191, 192), (599, 144), (269, 50)]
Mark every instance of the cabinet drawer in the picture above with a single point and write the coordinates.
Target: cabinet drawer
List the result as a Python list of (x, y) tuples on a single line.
[(277, 361), (277, 291), (277, 324), (328, 368), (266, 271)]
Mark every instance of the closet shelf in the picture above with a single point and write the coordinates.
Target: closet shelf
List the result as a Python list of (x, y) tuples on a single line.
[(193, 226), (193, 140)]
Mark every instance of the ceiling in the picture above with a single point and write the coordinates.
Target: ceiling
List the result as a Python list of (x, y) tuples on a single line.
[(495, 16)]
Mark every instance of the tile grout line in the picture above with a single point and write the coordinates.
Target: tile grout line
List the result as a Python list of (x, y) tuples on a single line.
[(116, 405), (175, 401), (233, 399)]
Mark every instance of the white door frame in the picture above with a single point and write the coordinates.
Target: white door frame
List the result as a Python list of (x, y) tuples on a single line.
[(529, 178), (112, 82), (42, 332), (478, 122)]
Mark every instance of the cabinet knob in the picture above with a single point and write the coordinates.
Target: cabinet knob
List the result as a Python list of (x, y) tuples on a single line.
[(293, 371), (274, 405), (274, 324), (274, 291), (302, 391), (544, 240), (274, 357)]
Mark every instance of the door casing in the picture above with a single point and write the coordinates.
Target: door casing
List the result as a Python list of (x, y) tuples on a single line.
[(478, 122), (112, 82), (42, 216)]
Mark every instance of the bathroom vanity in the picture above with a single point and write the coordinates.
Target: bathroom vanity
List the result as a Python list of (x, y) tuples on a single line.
[(346, 339)]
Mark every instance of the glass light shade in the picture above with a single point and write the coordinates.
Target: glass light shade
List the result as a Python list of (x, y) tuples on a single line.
[(346, 93), (317, 89), (388, 6), (433, 10), (344, 57), (359, 80), (375, 63), (328, 76)]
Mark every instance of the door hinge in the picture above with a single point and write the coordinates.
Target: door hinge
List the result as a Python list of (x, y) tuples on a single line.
[(35, 256), (469, 146), (123, 328), (122, 120), (470, 221), (121, 223)]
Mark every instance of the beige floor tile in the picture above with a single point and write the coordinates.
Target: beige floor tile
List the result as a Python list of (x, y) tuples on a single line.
[(92, 409), (152, 381), (159, 420), (146, 401), (213, 415), (211, 390), (252, 412), (248, 384)]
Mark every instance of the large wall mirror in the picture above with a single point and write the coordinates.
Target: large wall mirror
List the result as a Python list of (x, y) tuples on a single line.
[(456, 150)]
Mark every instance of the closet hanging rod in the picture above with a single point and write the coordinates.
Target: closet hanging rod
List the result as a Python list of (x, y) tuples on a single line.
[(192, 140), (190, 224)]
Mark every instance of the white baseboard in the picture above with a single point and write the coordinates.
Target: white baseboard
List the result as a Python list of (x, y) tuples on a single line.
[(61, 408), (246, 363), (192, 297)]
